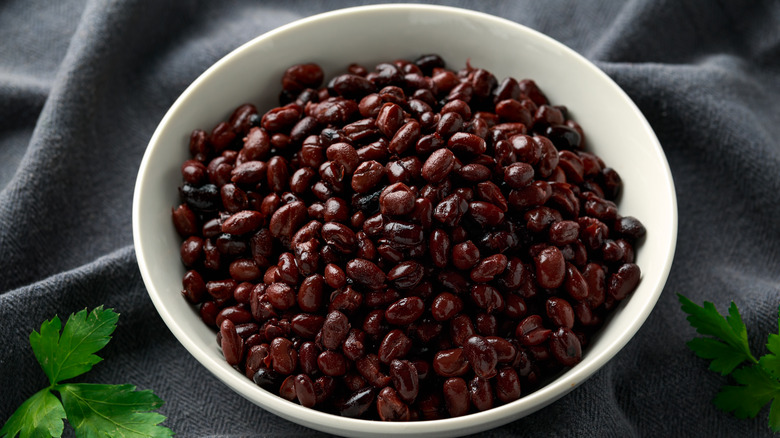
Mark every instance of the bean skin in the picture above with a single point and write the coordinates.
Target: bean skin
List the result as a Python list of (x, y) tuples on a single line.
[(482, 356), (395, 345), (488, 268), (405, 311), (481, 393), (507, 385), (624, 281), (367, 175), (232, 344), (550, 267), (405, 379), (358, 402), (390, 406), (445, 306), (332, 363), (450, 363), (438, 165), (456, 396), (284, 356), (565, 347), (560, 312), (334, 330), (304, 390), (365, 272)]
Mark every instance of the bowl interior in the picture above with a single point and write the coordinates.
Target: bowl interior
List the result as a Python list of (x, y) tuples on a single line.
[(614, 127)]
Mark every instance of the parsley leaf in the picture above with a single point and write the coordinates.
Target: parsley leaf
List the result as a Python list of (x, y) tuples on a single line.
[(771, 362), (71, 354), (114, 410), (731, 348), (92, 409), (39, 415), (758, 383), (756, 389)]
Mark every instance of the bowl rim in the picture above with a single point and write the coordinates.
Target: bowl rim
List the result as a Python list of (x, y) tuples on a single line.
[(466, 424)]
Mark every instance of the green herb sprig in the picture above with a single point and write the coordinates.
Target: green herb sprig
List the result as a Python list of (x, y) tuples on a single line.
[(91, 409), (758, 380)]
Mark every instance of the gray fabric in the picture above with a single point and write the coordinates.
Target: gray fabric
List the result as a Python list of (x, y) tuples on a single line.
[(84, 84)]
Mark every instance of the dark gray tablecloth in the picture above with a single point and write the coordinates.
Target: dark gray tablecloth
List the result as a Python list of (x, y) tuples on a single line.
[(84, 84)]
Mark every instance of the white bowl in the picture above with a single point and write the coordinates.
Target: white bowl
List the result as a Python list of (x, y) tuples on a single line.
[(615, 128)]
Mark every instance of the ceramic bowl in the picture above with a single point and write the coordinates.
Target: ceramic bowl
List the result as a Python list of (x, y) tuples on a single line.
[(615, 130)]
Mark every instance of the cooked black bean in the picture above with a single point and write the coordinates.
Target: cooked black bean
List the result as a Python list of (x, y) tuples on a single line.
[(407, 242)]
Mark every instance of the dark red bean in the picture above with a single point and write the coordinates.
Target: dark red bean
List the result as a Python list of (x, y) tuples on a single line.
[(507, 385), (461, 329), (306, 325), (242, 222), (288, 219), (488, 268), (184, 220), (374, 323), (456, 396), (564, 232), (406, 275), (405, 311), (481, 393), (390, 407), (232, 343), (491, 193), (481, 356), (560, 312), (449, 123), (194, 287), (366, 273), (485, 214), (287, 389), (354, 346), (438, 165), (395, 345), (305, 390), (465, 143), (307, 357), (367, 175), (487, 297), (565, 347), (575, 283), (534, 194), (351, 86), (550, 267), (404, 234), (358, 402), (332, 363), (302, 76), (340, 236), (396, 200), (406, 137), (369, 368), (280, 295), (310, 293), (334, 330), (439, 247), (624, 281), (450, 363), (445, 306), (191, 251), (389, 119), (284, 355), (629, 227), (405, 380)]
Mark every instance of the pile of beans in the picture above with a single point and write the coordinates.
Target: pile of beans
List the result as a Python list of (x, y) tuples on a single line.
[(410, 242)]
